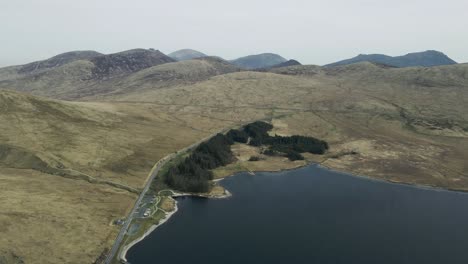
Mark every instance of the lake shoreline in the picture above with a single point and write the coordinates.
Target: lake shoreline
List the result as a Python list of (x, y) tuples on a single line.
[(330, 193), (408, 184), (227, 194), (123, 253), (319, 164), (168, 215)]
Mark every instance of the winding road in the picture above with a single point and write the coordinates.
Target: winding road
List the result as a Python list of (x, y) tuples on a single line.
[(154, 172), (128, 221)]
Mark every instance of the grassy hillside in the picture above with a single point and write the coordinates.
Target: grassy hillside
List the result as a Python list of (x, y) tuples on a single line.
[(107, 66), (400, 120), (66, 169), (57, 61), (161, 76), (78, 79), (15, 72), (429, 102), (100, 66)]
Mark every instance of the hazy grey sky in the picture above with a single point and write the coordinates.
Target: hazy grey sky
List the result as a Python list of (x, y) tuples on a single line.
[(311, 31)]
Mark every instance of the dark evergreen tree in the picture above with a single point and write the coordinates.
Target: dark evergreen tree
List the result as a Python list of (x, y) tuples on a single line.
[(238, 136), (193, 173), (293, 155)]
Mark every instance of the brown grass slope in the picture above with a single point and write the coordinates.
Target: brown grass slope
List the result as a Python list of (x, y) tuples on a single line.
[(410, 125), (63, 165), (163, 76)]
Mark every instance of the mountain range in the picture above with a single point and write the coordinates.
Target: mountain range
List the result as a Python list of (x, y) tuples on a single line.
[(89, 74), (259, 61), (426, 59)]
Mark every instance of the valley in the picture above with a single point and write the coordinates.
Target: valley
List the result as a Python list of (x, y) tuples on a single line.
[(81, 133)]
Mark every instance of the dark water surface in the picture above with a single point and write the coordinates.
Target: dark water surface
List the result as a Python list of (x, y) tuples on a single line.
[(313, 215)]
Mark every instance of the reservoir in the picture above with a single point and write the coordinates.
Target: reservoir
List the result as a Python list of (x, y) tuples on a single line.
[(312, 215)]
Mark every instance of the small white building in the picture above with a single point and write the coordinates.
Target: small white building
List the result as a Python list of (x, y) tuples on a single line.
[(147, 212)]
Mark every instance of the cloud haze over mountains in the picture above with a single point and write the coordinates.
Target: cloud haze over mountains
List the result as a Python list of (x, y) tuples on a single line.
[(314, 32)]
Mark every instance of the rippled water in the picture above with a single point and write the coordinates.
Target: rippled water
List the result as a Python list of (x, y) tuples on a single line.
[(313, 215)]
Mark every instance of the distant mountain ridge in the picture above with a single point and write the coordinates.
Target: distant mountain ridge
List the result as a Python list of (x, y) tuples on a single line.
[(427, 58), (89, 74), (287, 64), (58, 61), (128, 61), (259, 61), (284, 65), (129, 71), (186, 54)]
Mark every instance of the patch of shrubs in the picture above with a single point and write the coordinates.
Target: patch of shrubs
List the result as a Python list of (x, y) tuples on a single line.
[(293, 155), (270, 152), (254, 158), (345, 153)]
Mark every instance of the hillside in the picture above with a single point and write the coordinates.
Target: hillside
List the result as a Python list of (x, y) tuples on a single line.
[(89, 155), (426, 59), (78, 79), (264, 60), (286, 64), (388, 115), (127, 62), (186, 54), (297, 70), (72, 64), (44, 65), (278, 67), (158, 77), (58, 61)]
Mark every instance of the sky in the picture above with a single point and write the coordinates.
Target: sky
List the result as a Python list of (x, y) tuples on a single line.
[(311, 31)]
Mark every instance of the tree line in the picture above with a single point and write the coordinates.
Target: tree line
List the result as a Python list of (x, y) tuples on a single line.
[(194, 173), (256, 134)]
